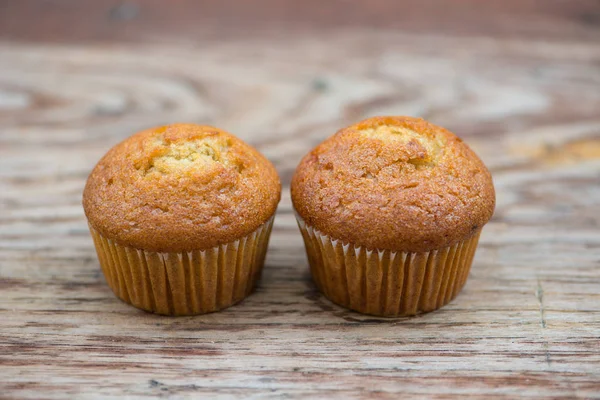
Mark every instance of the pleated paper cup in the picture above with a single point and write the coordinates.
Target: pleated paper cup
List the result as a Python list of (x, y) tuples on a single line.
[(384, 282), (184, 283)]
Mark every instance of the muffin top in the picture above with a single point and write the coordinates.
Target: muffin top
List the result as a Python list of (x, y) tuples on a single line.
[(180, 187), (395, 183)]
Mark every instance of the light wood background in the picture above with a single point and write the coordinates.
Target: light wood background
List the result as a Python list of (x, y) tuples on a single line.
[(518, 80)]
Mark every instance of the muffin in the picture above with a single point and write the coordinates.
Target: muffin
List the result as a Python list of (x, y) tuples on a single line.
[(181, 217), (391, 210)]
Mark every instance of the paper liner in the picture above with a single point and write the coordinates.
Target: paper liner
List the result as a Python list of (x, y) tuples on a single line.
[(385, 282), (185, 283)]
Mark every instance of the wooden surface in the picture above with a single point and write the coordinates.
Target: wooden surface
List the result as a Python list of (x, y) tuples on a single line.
[(518, 80)]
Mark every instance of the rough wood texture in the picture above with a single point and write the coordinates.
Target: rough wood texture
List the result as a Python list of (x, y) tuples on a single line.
[(518, 80)]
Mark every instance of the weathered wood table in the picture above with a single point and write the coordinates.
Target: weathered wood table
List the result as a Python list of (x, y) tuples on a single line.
[(518, 80)]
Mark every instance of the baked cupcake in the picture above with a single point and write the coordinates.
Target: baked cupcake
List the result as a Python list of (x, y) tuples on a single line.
[(181, 217), (391, 210)]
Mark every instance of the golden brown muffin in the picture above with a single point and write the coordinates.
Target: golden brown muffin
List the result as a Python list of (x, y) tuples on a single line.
[(181, 216), (408, 198)]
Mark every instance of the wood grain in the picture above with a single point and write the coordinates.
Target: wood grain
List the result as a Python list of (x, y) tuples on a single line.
[(526, 99)]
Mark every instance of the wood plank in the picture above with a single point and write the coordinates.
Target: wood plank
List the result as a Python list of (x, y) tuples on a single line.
[(527, 100), (153, 20)]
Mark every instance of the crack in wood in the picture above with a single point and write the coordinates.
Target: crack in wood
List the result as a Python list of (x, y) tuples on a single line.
[(539, 294)]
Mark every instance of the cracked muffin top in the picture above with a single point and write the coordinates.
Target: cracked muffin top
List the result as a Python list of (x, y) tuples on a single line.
[(180, 187), (394, 183)]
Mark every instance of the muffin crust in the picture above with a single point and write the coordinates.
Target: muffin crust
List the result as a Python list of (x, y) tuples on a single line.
[(394, 183), (180, 187)]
